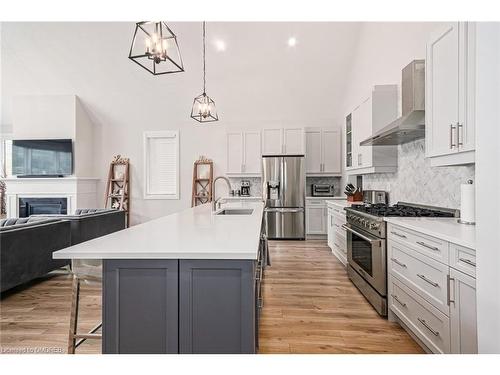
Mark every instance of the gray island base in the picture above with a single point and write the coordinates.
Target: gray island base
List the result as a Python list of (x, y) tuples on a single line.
[(179, 306), (189, 282)]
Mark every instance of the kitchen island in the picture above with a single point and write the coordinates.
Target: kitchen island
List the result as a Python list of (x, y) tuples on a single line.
[(184, 283)]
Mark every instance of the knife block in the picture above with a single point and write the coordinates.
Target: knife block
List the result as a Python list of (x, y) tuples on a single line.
[(357, 197)]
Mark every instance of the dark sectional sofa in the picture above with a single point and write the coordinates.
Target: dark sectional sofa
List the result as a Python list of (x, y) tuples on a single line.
[(26, 247), (87, 224), (27, 244)]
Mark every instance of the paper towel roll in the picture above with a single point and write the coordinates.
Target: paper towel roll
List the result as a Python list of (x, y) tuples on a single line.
[(467, 203)]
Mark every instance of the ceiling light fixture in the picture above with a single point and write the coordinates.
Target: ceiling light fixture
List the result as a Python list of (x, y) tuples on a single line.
[(220, 45), (154, 47), (292, 41), (203, 106)]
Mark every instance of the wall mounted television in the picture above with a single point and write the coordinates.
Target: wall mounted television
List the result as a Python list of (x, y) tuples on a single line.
[(42, 157)]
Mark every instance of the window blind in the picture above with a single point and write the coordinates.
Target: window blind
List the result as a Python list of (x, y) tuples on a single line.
[(161, 156)]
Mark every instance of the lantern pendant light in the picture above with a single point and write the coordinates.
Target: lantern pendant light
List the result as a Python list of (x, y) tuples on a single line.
[(203, 106), (154, 47)]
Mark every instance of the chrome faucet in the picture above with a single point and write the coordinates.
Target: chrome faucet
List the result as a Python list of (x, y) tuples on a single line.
[(215, 202)]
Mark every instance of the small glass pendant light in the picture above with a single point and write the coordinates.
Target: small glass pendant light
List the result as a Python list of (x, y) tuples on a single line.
[(154, 47), (203, 106)]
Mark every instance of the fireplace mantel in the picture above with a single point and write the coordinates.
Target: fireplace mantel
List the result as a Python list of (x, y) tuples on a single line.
[(79, 191)]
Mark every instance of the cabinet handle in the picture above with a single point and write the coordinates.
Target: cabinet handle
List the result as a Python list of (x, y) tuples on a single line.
[(397, 300), (452, 127), (398, 262), (243, 167), (428, 246), (428, 281), (468, 261), (399, 235), (459, 143), (448, 290), (424, 323)]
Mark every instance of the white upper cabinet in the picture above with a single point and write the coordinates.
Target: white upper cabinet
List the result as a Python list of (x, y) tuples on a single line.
[(330, 148), (252, 160), (313, 151), (272, 141), (449, 97), (293, 141), (322, 151), (373, 113), (283, 141), (234, 147), (243, 153)]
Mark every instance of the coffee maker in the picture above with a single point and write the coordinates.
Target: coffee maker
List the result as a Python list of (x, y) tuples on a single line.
[(245, 188)]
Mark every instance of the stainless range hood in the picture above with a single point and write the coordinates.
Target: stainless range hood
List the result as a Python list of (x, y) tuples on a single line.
[(411, 125)]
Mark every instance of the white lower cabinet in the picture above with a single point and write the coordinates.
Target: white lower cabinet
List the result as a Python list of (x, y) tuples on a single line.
[(336, 234), (429, 293), (429, 324), (463, 313), (316, 217)]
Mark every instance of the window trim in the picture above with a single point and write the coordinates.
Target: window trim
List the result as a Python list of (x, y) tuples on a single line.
[(160, 134)]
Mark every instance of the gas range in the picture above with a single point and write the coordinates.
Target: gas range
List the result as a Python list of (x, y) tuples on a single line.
[(370, 217), (366, 245)]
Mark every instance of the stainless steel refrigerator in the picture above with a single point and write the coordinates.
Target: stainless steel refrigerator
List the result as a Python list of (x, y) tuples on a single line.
[(283, 190)]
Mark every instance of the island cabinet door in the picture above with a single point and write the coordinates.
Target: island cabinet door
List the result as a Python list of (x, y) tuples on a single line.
[(216, 306), (140, 306)]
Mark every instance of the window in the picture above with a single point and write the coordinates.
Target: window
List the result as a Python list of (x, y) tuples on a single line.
[(161, 165)]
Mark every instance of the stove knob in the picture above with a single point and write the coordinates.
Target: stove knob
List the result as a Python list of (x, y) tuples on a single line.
[(374, 226)]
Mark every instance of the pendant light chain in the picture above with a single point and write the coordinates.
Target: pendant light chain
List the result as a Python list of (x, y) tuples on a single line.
[(203, 109), (204, 69)]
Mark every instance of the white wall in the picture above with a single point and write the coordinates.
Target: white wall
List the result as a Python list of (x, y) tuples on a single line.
[(43, 116), (258, 81), (383, 50), (487, 186)]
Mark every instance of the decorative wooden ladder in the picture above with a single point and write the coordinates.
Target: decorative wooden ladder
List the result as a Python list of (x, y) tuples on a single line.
[(202, 185), (118, 186)]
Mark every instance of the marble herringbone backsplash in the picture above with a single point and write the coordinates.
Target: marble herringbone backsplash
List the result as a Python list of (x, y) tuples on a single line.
[(417, 182)]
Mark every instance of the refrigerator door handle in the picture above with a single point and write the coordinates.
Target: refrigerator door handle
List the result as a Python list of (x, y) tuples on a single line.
[(284, 210)]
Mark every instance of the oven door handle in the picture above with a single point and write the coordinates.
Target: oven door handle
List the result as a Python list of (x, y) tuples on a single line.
[(370, 240)]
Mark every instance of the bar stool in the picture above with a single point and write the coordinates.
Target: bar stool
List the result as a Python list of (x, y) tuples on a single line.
[(88, 271)]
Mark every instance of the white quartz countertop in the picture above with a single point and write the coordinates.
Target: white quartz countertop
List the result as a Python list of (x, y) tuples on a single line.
[(242, 198), (325, 198), (195, 233), (341, 202), (447, 229)]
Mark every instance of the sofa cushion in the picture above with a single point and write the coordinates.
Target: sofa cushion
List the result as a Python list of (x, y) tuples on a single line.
[(23, 222), (85, 211)]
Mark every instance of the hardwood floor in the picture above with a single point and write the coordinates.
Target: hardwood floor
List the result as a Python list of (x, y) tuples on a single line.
[(310, 306), (35, 317)]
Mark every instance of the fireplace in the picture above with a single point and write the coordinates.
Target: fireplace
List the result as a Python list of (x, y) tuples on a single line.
[(34, 206)]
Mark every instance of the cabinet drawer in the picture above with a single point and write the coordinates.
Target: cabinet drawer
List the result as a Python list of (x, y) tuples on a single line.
[(463, 259), (424, 275), (340, 232), (337, 224), (426, 322), (315, 202), (427, 245), (340, 242), (340, 217)]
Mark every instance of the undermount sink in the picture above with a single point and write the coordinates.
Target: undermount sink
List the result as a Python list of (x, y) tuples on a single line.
[(235, 211)]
